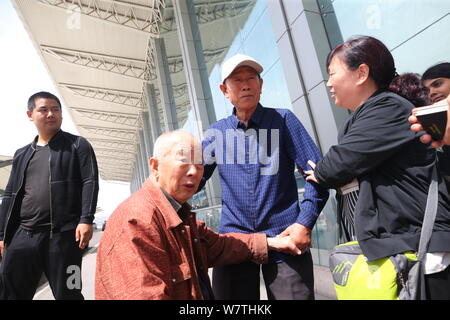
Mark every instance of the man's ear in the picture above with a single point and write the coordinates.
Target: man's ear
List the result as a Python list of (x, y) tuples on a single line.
[(154, 163), (223, 88), (363, 73), (29, 113)]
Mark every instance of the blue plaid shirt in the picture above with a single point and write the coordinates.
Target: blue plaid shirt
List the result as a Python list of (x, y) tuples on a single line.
[(256, 166)]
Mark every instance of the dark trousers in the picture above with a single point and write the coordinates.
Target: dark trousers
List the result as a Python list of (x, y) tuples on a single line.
[(437, 285), (30, 254), (289, 280)]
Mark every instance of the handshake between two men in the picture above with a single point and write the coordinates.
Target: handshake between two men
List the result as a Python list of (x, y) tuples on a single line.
[(294, 240)]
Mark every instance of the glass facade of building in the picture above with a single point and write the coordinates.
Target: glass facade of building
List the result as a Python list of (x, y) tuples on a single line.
[(416, 31), (291, 38), (254, 37)]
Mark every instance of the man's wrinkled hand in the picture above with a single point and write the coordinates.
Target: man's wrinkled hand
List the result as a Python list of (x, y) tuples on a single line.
[(83, 233), (283, 244), (310, 173), (299, 234)]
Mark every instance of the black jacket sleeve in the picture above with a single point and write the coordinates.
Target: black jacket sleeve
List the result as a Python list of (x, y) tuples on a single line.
[(89, 180), (7, 198), (380, 128)]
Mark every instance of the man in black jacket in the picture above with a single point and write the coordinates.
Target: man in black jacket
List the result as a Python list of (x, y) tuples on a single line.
[(48, 207)]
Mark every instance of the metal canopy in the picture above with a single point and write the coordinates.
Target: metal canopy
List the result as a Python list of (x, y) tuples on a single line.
[(101, 54)]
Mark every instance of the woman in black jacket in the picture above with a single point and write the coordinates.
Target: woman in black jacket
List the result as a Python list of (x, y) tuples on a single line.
[(382, 163)]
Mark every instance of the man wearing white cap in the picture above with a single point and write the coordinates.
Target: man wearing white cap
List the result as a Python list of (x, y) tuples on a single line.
[(256, 150)]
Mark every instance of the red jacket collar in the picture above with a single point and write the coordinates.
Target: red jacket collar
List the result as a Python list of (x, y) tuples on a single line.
[(155, 195)]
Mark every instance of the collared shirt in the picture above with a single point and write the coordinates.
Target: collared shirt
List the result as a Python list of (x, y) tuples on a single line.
[(183, 211), (256, 165)]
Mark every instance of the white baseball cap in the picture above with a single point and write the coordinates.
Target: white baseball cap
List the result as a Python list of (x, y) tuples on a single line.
[(239, 60)]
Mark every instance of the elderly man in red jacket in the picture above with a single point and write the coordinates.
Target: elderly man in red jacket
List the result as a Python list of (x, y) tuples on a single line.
[(155, 248)]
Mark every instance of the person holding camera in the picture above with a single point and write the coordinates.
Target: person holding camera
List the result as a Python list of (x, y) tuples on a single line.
[(437, 80)]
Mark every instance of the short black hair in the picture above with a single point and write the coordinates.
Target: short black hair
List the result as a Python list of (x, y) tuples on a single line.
[(41, 95), (441, 70)]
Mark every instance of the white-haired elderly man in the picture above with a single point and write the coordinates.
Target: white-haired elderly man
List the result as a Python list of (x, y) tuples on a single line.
[(155, 248)]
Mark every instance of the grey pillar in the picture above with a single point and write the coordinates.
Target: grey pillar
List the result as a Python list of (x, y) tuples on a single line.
[(141, 162), (144, 153), (197, 79), (147, 134), (194, 64), (303, 46), (137, 179), (139, 167), (133, 181), (153, 116), (165, 87), (136, 163), (136, 182)]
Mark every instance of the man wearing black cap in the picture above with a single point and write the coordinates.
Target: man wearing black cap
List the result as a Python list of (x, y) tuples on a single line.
[(437, 80)]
